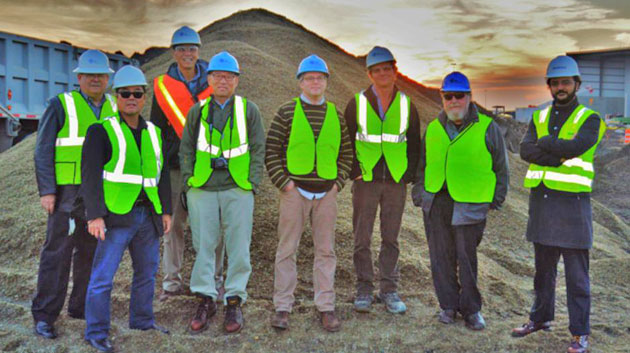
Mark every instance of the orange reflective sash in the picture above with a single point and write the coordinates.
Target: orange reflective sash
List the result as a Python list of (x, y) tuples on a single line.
[(175, 100)]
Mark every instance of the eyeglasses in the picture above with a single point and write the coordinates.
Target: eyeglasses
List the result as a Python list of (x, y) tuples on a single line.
[(457, 95), (312, 79), (565, 82), (186, 48), (223, 77), (127, 94)]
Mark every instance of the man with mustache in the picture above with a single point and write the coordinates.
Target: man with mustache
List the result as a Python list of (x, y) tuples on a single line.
[(463, 174), (560, 144)]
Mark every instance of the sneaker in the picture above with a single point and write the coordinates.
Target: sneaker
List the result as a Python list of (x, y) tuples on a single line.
[(393, 303), (475, 321), (579, 344), (233, 322), (363, 303)]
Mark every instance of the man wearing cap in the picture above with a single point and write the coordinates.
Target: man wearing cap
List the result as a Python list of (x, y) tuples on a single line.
[(58, 169), (175, 93), (308, 156), (463, 173), (221, 156), (560, 144), (126, 189), (385, 131)]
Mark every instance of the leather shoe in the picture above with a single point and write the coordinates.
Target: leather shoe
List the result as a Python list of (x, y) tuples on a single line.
[(206, 309), (158, 328), (280, 320), (233, 321), (167, 294), (475, 322), (531, 327), (447, 316), (330, 322), (103, 345), (45, 330), (78, 316)]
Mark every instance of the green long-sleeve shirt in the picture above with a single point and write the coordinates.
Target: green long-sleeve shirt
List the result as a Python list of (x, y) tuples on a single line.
[(221, 179)]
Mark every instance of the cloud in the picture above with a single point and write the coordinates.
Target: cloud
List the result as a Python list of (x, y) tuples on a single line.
[(624, 38)]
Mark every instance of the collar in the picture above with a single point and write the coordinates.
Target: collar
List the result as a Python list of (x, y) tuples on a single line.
[(90, 101), (307, 101), (222, 106)]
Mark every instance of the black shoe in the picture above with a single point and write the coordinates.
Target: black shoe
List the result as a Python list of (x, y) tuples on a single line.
[(78, 316), (103, 344), (447, 316), (45, 330), (158, 328), (475, 321)]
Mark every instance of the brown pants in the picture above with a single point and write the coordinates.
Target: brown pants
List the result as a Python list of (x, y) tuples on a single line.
[(294, 211), (366, 197)]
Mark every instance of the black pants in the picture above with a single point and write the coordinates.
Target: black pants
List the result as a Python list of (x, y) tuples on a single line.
[(576, 264), (58, 252), (453, 250)]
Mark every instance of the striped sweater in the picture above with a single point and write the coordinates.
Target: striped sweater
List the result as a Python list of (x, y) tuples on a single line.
[(278, 141)]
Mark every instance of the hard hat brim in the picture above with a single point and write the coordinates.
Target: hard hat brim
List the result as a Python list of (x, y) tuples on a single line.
[(79, 70)]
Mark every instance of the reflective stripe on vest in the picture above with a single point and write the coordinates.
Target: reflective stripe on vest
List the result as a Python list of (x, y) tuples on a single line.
[(362, 134)]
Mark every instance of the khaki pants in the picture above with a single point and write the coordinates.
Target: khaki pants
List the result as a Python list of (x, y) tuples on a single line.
[(173, 256), (294, 211)]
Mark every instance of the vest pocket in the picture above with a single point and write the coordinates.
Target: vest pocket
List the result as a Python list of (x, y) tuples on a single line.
[(66, 172)]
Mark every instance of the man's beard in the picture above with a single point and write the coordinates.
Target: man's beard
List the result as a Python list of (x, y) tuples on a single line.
[(456, 115), (566, 100)]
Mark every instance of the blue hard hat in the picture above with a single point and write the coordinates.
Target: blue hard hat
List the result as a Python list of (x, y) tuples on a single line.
[(223, 61), (455, 82), (312, 63), (378, 55), (185, 35), (93, 62), (128, 76), (562, 66)]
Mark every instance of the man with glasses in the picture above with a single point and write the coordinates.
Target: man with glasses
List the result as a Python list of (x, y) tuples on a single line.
[(221, 156), (560, 144), (308, 156), (126, 190), (385, 131), (175, 93), (462, 174), (58, 170)]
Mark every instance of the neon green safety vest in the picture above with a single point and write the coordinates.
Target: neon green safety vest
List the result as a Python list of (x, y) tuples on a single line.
[(575, 174), (233, 144), (464, 163), (130, 170), (79, 116), (303, 151), (376, 138)]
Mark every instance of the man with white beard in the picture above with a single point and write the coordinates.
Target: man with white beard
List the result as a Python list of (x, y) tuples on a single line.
[(463, 174)]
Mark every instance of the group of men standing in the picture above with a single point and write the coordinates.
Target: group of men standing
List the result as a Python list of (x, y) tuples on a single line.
[(110, 181)]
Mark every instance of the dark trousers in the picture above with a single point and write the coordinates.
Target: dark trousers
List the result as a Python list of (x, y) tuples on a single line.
[(366, 198), (453, 251), (58, 252), (576, 264)]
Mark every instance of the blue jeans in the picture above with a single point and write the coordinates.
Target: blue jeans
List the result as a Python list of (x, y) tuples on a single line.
[(144, 247)]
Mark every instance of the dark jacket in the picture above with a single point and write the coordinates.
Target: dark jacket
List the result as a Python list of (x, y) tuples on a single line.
[(468, 213), (558, 218), (380, 171), (97, 151), (160, 120)]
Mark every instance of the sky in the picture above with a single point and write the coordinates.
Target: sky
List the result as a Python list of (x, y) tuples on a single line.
[(502, 46)]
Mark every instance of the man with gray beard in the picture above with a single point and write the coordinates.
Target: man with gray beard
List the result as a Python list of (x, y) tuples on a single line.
[(463, 173)]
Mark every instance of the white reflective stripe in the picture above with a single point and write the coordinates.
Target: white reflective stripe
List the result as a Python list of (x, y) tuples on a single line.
[(543, 114), (73, 121), (122, 178), (214, 150), (202, 144), (150, 182), (368, 138), (111, 102), (239, 114), (202, 102), (69, 141), (578, 162), (404, 113), (363, 114), (156, 147), (534, 174), (568, 178), (394, 138), (235, 152), (579, 115), (122, 147)]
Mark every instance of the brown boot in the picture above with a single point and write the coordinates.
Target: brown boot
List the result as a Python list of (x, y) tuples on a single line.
[(280, 320), (330, 322), (206, 309), (233, 322)]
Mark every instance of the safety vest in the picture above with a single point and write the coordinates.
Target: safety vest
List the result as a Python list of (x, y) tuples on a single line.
[(175, 100), (376, 138), (232, 144), (130, 170), (464, 163), (69, 143), (575, 174), (304, 153)]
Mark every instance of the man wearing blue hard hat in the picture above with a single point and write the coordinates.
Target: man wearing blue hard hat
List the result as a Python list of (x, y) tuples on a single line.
[(221, 157), (463, 173), (174, 93), (58, 169), (560, 146), (385, 131), (308, 157), (127, 194)]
